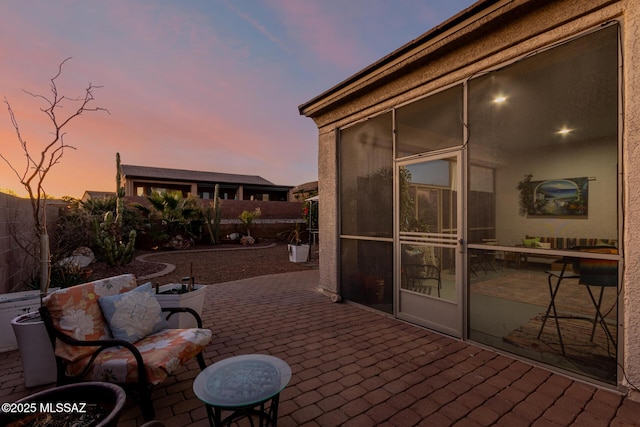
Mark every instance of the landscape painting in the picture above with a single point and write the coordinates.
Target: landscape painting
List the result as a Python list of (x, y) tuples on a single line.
[(560, 197)]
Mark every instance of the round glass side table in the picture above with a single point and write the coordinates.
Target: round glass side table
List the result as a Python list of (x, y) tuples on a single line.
[(243, 385)]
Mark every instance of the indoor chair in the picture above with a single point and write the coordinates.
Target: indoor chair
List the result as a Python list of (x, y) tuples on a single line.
[(599, 273)]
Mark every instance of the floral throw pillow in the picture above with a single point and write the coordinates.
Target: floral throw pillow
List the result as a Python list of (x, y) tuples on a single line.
[(134, 314)]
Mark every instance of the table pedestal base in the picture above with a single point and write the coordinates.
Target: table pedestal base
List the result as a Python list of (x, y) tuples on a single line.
[(267, 417)]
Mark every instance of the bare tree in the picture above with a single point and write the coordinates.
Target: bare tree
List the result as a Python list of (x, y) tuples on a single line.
[(38, 164)]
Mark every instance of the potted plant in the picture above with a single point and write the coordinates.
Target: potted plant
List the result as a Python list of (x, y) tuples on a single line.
[(179, 295), (35, 347), (36, 352), (526, 195), (83, 404), (13, 305), (298, 252)]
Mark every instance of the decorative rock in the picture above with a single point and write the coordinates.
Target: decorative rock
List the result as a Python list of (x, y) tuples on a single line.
[(84, 251), (80, 257), (178, 242), (78, 260), (247, 240)]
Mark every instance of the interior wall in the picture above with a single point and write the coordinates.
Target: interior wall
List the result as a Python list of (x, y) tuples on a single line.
[(596, 160)]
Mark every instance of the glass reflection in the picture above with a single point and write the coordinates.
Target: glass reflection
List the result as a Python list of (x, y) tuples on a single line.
[(427, 212)]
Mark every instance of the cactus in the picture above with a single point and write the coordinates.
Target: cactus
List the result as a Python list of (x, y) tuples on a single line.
[(119, 193), (217, 213), (213, 213), (115, 251), (108, 234)]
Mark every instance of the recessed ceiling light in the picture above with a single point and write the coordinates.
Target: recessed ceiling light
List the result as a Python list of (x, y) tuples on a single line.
[(564, 131), (499, 99)]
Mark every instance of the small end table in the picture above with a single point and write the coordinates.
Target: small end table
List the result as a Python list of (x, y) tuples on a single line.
[(243, 384)]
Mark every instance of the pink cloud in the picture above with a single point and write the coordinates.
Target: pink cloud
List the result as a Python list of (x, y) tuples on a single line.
[(321, 31), (180, 93)]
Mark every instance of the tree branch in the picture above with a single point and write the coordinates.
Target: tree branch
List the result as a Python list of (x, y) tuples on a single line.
[(37, 167)]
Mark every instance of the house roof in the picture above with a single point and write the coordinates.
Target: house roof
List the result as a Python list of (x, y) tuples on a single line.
[(191, 176), (307, 186), (89, 194)]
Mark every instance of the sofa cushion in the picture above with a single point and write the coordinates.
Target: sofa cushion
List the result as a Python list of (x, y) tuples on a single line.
[(75, 312), (570, 242), (163, 352), (133, 315)]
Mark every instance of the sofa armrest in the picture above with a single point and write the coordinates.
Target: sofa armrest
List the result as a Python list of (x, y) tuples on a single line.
[(174, 310)]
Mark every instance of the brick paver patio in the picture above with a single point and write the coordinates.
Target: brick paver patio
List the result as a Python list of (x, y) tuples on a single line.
[(356, 367)]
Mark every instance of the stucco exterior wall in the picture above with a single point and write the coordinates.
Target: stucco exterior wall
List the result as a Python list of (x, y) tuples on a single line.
[(328, 209), (503, 32), (631, 176)]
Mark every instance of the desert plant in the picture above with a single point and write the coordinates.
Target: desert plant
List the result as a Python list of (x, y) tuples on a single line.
[(65, 275), (108, 233), (73, 229), (295, 236), (247, 218), (213, 214), (172, 215), (98, 206), (113, 248)]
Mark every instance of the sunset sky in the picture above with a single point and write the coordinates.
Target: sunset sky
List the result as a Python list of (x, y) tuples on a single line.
[(209, 85)]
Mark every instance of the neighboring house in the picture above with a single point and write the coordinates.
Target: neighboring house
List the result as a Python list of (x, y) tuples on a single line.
[(501, 138), (142, 180), (97, 195), (303, 191)]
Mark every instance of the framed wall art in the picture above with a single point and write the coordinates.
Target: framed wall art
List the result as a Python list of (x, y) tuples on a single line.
[(568, 197)]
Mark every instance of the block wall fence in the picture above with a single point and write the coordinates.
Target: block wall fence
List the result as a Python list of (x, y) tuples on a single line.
[(276, 217), (17, 267)]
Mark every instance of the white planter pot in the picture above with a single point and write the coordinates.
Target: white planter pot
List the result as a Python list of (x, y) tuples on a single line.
[(36, 352), (13, 305), (193, 300), (298, 253)]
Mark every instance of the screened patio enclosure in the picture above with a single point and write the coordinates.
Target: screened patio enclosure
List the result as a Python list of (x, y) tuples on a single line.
[(488, 209)]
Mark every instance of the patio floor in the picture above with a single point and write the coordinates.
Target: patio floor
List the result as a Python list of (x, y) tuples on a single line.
[(356, 367)]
